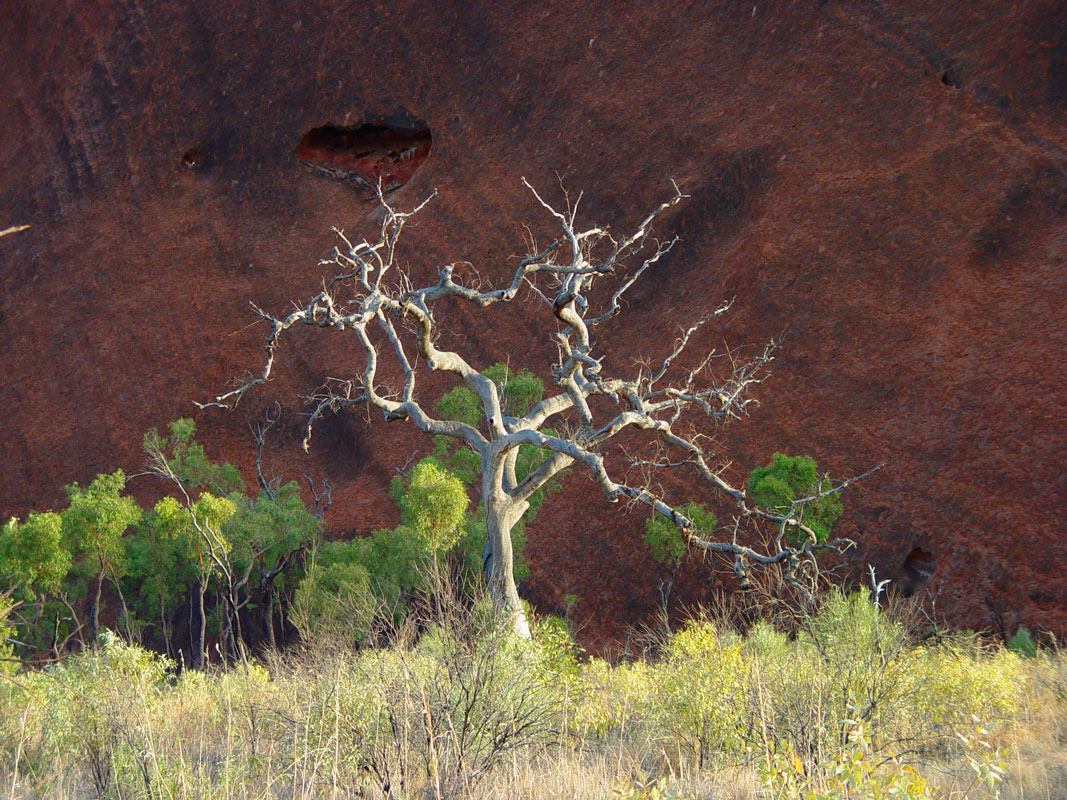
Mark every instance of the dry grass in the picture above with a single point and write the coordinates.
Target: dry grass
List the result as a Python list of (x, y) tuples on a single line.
[(333, 723)]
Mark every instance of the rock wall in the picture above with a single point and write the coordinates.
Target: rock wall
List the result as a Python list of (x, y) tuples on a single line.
[(881, 184)]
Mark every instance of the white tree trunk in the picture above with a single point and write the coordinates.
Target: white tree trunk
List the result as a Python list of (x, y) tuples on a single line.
[(500, 518)]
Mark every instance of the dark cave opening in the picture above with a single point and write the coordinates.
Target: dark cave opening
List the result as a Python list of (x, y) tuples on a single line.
[(195, 158), (367, 155)]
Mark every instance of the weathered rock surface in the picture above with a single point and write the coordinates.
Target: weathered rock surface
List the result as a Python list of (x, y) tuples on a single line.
[(880, 183)]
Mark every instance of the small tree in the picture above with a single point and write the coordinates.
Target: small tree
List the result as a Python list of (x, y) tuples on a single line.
[(243, 545), (93, 526), (33, 554), (581, 278), (34, 562), (350, 586)]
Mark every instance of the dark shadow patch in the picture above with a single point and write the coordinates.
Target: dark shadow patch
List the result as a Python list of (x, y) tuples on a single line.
[(367, 155), (1043, 598), (1000, 238), (1056, 74), (717, 209), (336, 440)]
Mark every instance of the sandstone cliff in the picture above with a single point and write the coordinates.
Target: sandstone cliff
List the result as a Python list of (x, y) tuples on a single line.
[(881, 183)]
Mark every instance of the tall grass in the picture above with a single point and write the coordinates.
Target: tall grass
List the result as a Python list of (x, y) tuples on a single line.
[(846, 706)]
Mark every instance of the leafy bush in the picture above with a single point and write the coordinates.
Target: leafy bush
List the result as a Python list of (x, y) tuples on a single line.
[(701, 690), (98, 706), (33, 555), (1022, 642), (350, 585), (433, 505), (612, 703), (8, 663), (665, 540), (787, 479), (959, 682), (441, 710)]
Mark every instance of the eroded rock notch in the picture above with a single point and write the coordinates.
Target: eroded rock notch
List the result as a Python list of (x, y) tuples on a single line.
[(367, 154)]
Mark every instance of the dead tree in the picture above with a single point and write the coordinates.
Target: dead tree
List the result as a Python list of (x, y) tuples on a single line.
[(582, 277)]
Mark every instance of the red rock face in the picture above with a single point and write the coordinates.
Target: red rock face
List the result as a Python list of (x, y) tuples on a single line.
[(882, 185)]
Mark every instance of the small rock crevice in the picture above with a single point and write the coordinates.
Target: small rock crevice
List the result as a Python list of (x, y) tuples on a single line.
[(368, 154), (920, 565)]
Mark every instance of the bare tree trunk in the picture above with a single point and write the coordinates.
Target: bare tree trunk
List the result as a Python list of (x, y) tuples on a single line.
[(500, 518), (237, 637), (271, 641), (201, 646), (163, 627), (94, 619), (125, 608)]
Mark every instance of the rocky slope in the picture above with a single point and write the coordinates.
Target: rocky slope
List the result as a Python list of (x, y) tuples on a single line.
[(880, 184)]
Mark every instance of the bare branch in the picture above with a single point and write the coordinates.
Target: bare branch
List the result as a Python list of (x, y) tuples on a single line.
[(14, 229), (372, 298)]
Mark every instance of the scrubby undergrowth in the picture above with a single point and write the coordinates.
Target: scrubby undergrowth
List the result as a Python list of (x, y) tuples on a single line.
[(455, 707)]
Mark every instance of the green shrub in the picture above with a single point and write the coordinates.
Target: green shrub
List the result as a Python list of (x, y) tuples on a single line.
[(8, 663), (1023, 643), (433, 504), (700, 690), (787, 479), (612, 704), (959, 682), (97, 708), (666, 541)]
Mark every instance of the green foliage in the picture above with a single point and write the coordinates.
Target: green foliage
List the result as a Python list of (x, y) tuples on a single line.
[(856, 771), (853, 772), (93, 527), (1023, 643), (465, 696), (189, 462), (159, 558), (963, 680), (7, 631), (94, 523), (849, 627), (334, 599), (33, 554), (95, 709), (613, 702), (351, 584), (557, 649), (787, 479), (168, 556), (666, 541), (462, 405), (701, 692), (267, 528), (214, 512), (243, 547), (519, 391), (460, 460), (433, 504)]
